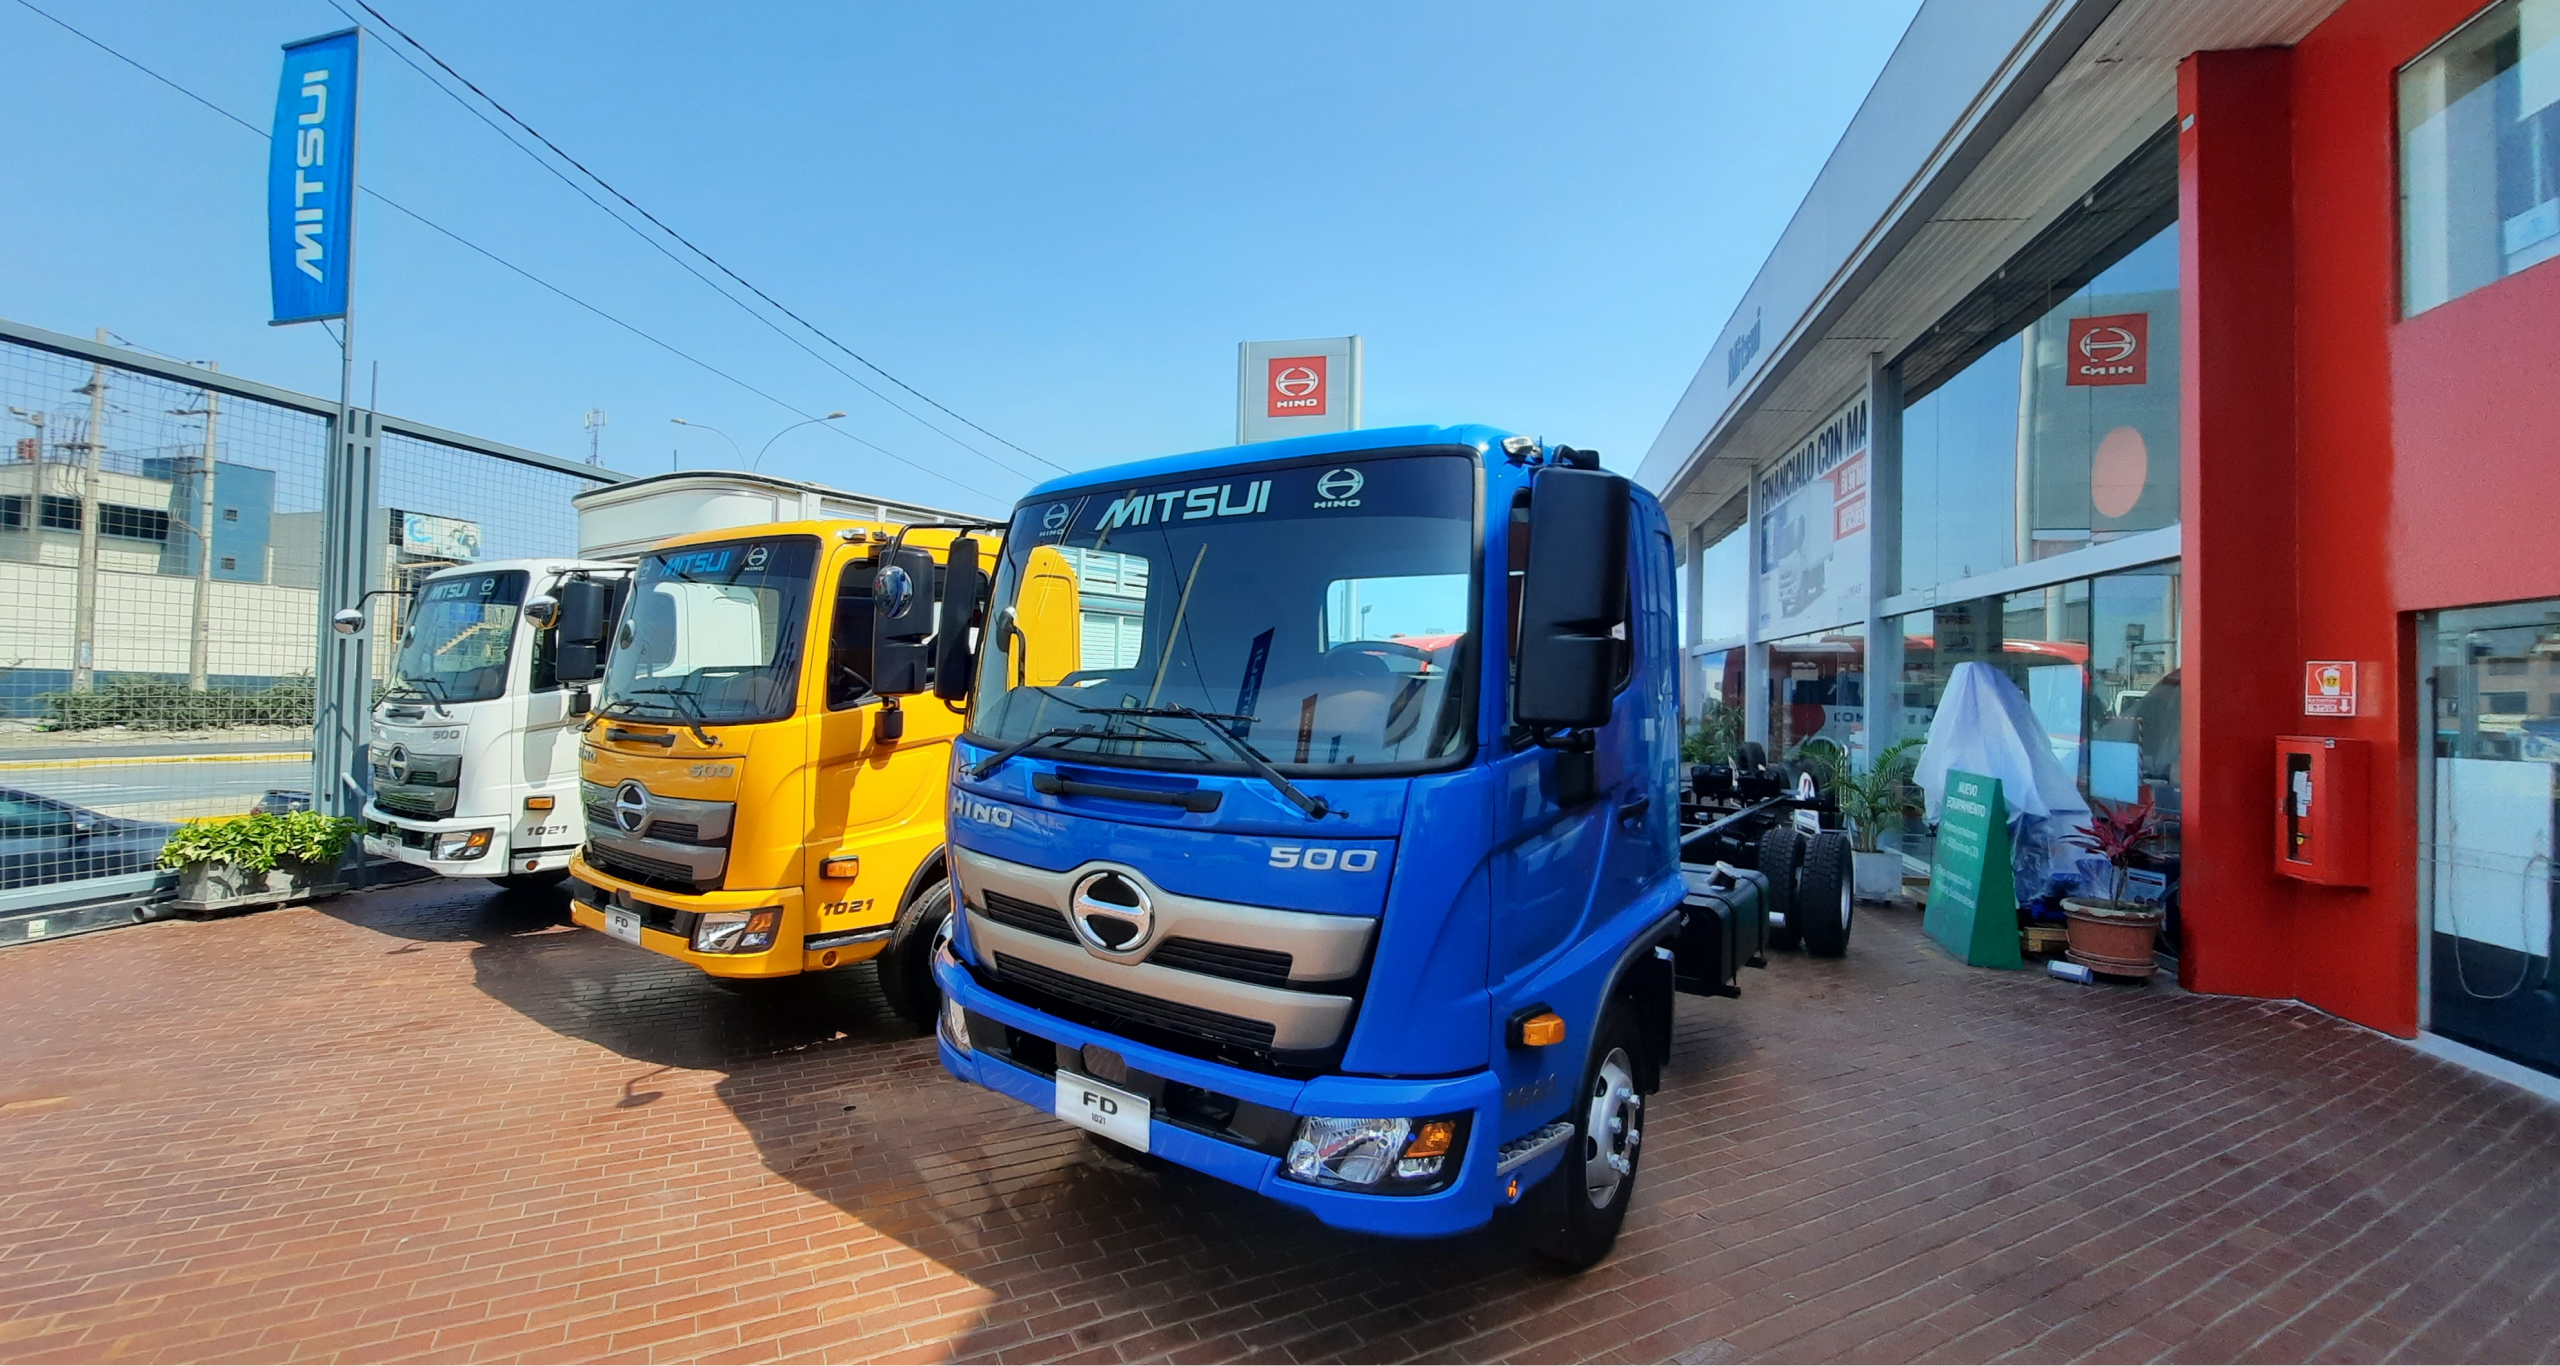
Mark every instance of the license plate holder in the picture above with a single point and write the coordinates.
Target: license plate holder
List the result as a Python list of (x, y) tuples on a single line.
[(622, 924), (1103, 1108)]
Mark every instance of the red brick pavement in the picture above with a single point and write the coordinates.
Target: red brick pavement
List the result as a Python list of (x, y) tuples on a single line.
[(434, 1123)]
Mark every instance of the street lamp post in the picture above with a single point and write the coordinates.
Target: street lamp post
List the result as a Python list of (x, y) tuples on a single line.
[(706, 427), (777, 436)]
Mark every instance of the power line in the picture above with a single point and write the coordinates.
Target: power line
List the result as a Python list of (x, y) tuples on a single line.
[(422, 219), (660, 247), (689, 245)]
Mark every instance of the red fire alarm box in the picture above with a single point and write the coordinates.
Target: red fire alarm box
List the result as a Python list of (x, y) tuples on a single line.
[(2322, 797)]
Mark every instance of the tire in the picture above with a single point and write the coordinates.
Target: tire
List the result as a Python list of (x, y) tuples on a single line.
[(1750, 755), (1826, 895), (906, 966), (532, 882), (1587, 1196), (1781, 850)]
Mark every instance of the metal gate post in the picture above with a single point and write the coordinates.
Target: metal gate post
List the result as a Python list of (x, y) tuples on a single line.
[(352, 552)]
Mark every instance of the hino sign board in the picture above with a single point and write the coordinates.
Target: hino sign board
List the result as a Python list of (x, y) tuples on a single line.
[(1297, 388)]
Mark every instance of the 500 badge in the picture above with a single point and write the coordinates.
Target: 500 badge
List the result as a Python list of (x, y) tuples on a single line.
[(1322, 858)]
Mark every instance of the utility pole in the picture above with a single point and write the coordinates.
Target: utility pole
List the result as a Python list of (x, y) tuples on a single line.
[(595, 436), (199, 646), (84, 616)]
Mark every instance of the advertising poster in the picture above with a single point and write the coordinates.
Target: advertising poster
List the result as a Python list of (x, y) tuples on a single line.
[(1814, 512)]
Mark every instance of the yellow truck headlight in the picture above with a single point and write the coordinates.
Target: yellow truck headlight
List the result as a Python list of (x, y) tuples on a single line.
[(736, 931)]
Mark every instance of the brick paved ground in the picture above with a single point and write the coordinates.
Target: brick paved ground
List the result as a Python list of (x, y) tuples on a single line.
[(434, 1123)]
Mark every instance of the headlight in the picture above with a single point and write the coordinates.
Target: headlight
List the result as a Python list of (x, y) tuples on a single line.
[(736, 931), (1389, 1156), (462, 844), (955, 1025)]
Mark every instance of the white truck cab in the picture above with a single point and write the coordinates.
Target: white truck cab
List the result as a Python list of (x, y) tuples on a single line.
[(475, 738)]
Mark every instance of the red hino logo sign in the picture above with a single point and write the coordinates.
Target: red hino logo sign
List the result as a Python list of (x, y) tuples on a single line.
[(1295, 387), (2114, 349)]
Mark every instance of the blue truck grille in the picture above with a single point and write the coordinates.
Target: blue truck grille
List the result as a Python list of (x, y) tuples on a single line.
[(1236, 963), (1029, 916), (1113, 1003)]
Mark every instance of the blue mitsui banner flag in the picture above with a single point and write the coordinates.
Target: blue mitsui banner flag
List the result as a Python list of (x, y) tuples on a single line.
[(311, 180)]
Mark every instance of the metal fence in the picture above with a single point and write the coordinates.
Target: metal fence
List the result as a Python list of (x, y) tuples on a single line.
[(169, 559)]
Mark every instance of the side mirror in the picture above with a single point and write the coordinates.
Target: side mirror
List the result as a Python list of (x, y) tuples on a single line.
[(1573, 601), (83, 826), (955, 656), (543, 612), (583, 611), (902, 623), (581, 701), (346, 621)]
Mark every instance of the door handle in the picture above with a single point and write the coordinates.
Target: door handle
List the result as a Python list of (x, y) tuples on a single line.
[(1633, 813)]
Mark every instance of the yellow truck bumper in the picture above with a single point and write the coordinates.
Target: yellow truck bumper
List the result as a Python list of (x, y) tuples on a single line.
[(668, 916)]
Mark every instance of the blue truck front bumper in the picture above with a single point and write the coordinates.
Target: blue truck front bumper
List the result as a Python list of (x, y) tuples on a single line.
[(1467, 1203)]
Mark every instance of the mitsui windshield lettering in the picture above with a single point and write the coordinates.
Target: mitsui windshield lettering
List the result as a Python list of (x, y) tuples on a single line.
[(1322, 614)]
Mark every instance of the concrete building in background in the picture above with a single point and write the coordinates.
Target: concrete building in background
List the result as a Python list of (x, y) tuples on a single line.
[(2190, 362)]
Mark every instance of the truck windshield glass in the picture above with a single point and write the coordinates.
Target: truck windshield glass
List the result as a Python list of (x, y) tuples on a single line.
[(460, 631), (1333, 604), (712, 636)]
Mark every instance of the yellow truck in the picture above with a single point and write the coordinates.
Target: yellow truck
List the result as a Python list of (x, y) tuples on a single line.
[(764, 781)]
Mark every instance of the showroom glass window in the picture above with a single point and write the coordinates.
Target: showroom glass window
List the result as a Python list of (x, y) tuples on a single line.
[(2061, 436), (1817, 688), (2480, 154), (2097, 662)]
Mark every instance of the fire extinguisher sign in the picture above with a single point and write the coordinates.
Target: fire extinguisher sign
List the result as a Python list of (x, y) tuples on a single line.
[(2329, 687)]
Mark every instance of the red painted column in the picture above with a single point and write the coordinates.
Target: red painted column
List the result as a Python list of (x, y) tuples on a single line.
[(2236, 470)]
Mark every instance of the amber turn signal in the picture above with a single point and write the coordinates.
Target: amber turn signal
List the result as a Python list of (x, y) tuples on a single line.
[(538, 803), (1431, 1138), (1542, 1029), (842, 865)]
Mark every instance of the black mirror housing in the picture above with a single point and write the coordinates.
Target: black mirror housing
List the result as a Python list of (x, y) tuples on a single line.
[(583, 620), (902, 623), (1573, 601), (955, 655)]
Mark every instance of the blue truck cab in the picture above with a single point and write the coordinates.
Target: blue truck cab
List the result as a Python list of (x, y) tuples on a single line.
[(1315, 825)]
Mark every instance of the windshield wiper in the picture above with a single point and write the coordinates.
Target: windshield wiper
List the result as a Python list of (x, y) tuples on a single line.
[(997, 760), (1315, 807), (692, 710), (419, 687)]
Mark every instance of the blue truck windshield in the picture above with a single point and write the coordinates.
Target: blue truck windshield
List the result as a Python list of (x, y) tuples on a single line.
[(712, 635), (1322, 613), (460, 632)]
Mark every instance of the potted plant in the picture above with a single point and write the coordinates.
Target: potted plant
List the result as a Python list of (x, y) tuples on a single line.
[(258, 860), (2111, 934), (1873, 801)]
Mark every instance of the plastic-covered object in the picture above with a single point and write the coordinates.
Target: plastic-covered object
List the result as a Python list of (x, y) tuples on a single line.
[(1985, 726)]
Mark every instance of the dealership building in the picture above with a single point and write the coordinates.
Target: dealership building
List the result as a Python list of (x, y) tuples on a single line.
[(2192, 363)]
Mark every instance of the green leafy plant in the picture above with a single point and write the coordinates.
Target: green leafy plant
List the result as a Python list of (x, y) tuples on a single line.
[(258, 843), (2117, 831), (1716, 736), (1874, 799)]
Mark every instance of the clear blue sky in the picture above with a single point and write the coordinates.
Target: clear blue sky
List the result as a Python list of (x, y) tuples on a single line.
[(1059, 220)]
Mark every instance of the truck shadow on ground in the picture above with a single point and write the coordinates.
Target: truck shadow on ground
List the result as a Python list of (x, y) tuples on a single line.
[(527, 955)]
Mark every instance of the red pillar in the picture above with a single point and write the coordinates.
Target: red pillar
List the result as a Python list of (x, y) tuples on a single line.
[(2236, 470)]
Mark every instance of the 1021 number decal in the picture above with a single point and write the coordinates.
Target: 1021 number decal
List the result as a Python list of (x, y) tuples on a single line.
[(1323, 858)]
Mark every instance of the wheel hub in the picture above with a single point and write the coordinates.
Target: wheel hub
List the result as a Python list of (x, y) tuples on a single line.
[(1612, 1128)]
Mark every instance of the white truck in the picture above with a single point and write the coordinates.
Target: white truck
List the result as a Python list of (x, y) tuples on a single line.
[(474, 750)]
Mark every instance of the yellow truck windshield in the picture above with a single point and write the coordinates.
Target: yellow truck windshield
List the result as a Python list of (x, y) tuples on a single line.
[(713, 633)]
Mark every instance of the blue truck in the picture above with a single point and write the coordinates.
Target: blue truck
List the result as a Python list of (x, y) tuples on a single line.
[(1318, 824)]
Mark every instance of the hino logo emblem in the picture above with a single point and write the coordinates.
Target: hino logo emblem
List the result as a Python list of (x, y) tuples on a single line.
[(1112, 914), (1340, 488), (2107, 345), (1055, 518), (631, 807), (399, 763), (1297, 381)]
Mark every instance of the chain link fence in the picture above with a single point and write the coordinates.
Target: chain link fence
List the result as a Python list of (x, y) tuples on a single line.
[(161, 552)]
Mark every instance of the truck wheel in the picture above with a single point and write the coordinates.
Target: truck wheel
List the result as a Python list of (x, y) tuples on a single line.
[(1781, 850), (1586, 1199), (906, 967), (1826, 896)]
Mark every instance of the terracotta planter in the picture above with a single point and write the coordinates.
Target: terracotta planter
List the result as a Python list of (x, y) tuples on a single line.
[(2111, 939)]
